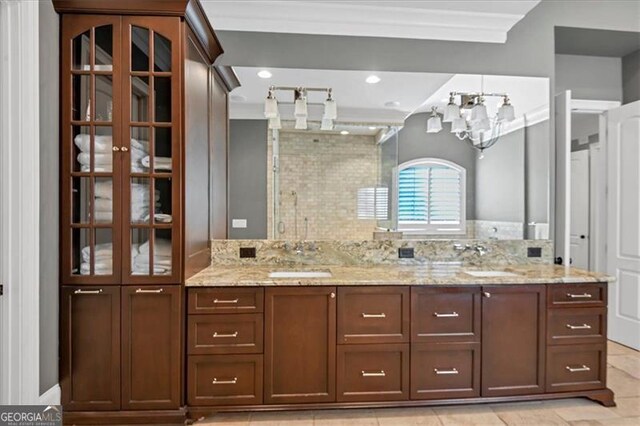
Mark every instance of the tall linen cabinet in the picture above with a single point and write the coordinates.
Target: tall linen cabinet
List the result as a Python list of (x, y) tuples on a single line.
[(141, 125)]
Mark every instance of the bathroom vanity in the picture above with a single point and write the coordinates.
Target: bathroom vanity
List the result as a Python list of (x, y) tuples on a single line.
[(391, 335)]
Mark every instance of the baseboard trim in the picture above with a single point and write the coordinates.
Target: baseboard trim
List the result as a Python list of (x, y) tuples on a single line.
[(51, 396)]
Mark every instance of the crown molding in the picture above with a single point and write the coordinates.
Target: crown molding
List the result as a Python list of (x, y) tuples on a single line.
[(370, 20)]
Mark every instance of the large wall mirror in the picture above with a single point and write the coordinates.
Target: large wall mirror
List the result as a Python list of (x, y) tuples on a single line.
[(390, 155)]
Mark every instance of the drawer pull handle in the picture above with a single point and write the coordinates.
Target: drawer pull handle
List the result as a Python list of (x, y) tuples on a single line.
[(451, 315), (579, 296), (234, 334), (225, 382), (380, 315), (579, 327), (578, 369), (88, 291), (225, 301), (380, 373), (450, 371), (486, 294), (141, 290)]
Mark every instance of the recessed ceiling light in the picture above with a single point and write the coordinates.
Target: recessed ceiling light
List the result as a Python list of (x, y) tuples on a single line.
[(344, 132), (392, 104), (264, 74), (372, 127), (373, 79)]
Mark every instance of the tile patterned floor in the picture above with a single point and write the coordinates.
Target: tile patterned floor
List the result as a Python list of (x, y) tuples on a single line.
[(623, 378)]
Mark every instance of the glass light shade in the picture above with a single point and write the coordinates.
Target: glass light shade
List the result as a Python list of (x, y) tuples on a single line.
[(479, 112), (330, 109), (300, 108), (326, 124), (458, 125), (506, 113), (451, 112), (301, 123), (481, 125), (271, 108), (434, 125), (274, 123)]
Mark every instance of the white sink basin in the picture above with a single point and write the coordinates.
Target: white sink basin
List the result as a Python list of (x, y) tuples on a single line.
[(300, 274), (489, 274)]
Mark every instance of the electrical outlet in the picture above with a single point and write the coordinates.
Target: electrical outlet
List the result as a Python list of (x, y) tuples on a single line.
[(239, 223), (247, 252), (405, 253), (534, 251)]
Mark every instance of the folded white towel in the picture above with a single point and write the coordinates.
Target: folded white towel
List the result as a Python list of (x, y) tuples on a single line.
[(104, 252), (139, 191), (162, 247), (142, 260), (103, 143), (162, 218), (159, 163), (99, 269), (139, 270)]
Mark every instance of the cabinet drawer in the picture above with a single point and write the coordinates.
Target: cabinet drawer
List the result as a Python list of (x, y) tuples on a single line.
[(576, 325), (447, 370), (577, 295), (226, 300), (575, 367), (373, 315), (449, 314), (224, 379), (224, 334), (373, 372)]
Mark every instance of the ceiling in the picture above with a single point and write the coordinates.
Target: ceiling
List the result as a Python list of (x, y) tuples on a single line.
[(473, 21), (358, 101), (364, 104), (592, 42)]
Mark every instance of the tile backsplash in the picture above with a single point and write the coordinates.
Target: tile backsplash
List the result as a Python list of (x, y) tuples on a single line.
[(352, 252)]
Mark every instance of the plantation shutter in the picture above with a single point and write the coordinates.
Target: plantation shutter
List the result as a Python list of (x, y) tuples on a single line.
[(430, 194)]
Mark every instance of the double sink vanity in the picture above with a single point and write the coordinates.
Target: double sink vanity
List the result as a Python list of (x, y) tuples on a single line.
[(300, 336)]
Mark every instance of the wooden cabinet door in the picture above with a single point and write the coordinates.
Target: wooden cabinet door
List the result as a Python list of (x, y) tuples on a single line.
[(151, 179), (513, 339), (90, 167), (300, 345), (90, 348), (151, 347)]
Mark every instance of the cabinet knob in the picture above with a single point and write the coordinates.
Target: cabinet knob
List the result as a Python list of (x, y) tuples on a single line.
[(486, 294), (124, 149), (115, 149), (332, 295)]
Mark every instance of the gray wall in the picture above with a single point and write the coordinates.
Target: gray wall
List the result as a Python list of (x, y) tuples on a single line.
[(248, 178), (49, 178), (414, 142), (537, 164), (631, 77), (499, 187), (589, 77)]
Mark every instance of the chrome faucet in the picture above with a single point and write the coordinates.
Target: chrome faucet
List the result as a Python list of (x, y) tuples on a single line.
[(300, 248), (478, 248)]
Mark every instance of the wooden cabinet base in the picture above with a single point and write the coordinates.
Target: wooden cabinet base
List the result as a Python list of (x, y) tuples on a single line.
[(125, 417), (602, 396)]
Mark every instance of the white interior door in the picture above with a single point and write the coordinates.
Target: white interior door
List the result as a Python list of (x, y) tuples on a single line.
[(623, 218), (579, 226), (563, 176)]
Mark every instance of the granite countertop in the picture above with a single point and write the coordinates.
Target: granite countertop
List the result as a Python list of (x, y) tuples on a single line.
[(440, 273)]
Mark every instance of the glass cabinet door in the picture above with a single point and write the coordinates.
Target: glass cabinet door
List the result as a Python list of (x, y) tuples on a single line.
[(91, 231), (151, 175)]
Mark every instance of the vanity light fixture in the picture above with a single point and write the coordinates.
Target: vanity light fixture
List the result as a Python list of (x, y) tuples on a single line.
[(300, 107), (264, 74), (373, 79), (470, 121), (434, 124), (344, 132), (271, 105)]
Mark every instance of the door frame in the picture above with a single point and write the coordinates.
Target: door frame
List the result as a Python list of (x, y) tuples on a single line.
[(19, 203), (598, 184)]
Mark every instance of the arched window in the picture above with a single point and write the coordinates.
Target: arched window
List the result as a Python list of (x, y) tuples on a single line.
[(431, 197)]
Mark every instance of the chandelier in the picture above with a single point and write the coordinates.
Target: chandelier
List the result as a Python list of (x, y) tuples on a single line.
[(470, 121), (300, 104)]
